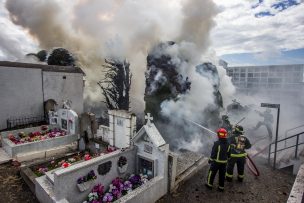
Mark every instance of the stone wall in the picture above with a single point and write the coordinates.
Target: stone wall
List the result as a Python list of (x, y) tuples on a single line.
[(21, 93), (62, 86), (65, 180), (297, 192), (147, 193)]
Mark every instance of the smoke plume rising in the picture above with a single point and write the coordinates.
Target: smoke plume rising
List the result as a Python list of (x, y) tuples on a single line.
[(98, 29)]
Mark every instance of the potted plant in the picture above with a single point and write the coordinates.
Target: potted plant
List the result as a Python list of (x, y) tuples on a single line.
[(122, 164)]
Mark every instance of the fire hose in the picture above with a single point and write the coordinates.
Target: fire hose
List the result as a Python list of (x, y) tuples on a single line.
[(252, 167), (250, 164)]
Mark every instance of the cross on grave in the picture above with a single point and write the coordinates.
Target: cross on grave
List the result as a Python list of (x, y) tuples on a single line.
[(149, 118)]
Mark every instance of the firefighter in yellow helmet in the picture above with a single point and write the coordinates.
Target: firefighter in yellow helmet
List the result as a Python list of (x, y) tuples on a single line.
[(218, 160), (239, 143)]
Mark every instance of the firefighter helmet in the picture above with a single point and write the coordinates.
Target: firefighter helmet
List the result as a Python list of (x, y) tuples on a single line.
[(222, 133), (239, 129)]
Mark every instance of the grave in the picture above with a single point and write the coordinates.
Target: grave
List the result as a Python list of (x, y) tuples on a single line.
[(44, 141), (145, 154)]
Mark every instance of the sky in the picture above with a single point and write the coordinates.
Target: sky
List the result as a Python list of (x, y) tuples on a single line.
[(246, 32), (259, 32)]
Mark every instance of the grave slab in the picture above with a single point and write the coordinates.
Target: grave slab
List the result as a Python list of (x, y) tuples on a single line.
[(4, 156), (185, 160)]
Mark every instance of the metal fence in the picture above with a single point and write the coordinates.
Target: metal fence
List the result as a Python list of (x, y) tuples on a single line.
[(25, 122)]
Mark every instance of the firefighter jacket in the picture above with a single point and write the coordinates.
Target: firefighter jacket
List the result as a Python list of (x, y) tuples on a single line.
[(220, 151), (238, 145)]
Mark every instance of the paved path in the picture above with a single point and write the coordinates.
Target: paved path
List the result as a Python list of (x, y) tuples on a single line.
[(271, 186)]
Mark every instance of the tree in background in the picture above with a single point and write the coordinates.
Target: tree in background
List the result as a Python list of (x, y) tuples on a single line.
[(61, 57), (41, 55), (116, 84)]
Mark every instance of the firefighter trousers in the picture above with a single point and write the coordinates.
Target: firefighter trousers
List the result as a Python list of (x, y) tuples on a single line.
[(214, 167), (240, 162)]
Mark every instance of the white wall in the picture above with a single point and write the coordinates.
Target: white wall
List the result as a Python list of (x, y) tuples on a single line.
[(59, 89), (122, 126), (20, 93)]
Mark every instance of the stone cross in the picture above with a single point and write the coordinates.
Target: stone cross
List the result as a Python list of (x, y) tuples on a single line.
[(149, 118)]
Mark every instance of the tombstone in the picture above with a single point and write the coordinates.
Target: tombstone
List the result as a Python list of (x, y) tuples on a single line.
[(152, 153), (122, 128), (66, 119), (88, 130)]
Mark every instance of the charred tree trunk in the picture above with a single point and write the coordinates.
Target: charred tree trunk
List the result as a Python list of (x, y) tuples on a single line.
[(116, 84)]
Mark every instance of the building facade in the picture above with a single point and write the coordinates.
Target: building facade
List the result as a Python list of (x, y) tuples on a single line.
[(271, 80), (25, 87)]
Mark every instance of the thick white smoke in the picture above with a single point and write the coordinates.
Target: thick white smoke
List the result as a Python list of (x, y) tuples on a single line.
[(99, 29)]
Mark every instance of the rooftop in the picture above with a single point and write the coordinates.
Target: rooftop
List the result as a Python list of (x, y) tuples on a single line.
[(43, 67)]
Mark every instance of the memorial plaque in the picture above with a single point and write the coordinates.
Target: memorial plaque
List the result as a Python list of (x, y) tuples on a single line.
[(148, 148), (104, 168)]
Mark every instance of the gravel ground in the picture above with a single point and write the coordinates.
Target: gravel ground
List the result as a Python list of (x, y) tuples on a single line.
[(12, 187), (270, 187)]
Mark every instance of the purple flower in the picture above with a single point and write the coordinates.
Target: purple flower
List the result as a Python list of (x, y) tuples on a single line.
[(98, 189), (127, 185), (108, 197), (135, 179), (117, 182), (80, 180)]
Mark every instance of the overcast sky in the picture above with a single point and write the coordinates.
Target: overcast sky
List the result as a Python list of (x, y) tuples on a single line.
[(247, 32)]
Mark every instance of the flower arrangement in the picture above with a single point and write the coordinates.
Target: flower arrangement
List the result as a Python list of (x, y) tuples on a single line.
[(48, 166), (90, 176), (65, 164), (36, 136), (110, 149), (117, 189), (87, 157), (122, 161)]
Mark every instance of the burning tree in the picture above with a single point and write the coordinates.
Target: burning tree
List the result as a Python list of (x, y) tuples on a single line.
[(41, 55), (163, 82), (61, 57), (116, 85)]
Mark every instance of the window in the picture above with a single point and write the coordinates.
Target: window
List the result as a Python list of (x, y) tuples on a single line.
[(146, 167)]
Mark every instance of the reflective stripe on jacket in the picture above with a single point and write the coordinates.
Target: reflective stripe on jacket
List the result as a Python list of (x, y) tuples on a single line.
[(220, 151)]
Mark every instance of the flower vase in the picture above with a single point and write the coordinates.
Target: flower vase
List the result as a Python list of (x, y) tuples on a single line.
[(84, 186), (123, 168)]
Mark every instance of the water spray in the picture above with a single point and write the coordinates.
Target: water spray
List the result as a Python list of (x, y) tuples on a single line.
[(200, 126), (240, 121)]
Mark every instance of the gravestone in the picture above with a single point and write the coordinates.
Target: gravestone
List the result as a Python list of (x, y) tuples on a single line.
[(152, 153), (122, 128), (88, 130), (67, 120)]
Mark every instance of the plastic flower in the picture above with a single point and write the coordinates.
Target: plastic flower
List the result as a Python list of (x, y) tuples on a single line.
[(135, 180), (93, 196), (65, 165), (87, 157), (108, 197), (127, 185), (98, 189)]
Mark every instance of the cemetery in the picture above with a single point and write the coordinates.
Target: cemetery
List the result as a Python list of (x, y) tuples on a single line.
[(71, 160)]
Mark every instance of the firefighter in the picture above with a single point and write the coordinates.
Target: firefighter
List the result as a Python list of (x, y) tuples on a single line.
[(268, 120), (218, 160), (238, 143), (226, 124)]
